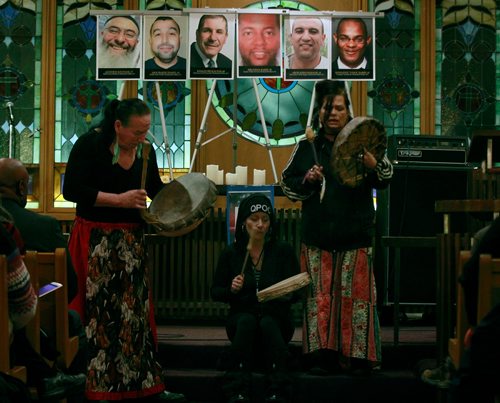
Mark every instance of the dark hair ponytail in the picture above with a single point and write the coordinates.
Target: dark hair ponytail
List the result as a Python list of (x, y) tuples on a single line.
[(122, 111)]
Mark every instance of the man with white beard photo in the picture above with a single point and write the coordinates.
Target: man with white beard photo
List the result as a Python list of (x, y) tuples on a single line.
[(118, 53)]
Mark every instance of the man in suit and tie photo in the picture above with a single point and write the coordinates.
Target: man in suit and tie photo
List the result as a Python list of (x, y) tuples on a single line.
[(211, 36)]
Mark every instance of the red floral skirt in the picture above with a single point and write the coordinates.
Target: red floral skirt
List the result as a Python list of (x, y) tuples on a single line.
[(114, 300)]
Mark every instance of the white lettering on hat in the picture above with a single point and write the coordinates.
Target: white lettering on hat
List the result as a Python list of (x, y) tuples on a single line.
[(260, 207)]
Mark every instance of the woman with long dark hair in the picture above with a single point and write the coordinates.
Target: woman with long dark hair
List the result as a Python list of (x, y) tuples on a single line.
[(104, 178), (340, 324)]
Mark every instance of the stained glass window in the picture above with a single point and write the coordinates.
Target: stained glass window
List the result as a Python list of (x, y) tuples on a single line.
[(171, 140), (285, 104), (465, 82), (80, 97), (20, 57), (395, 95), (467, 52)]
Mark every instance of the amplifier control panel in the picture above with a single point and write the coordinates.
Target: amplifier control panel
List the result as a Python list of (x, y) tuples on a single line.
[(424, 149)]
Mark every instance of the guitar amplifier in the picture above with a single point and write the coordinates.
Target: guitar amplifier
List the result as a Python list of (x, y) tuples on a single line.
[(425, 149)]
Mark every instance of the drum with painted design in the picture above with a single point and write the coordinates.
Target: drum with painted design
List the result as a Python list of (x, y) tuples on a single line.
[(359, 134)]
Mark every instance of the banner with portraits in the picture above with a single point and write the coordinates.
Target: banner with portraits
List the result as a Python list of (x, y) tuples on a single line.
[(222, 44)]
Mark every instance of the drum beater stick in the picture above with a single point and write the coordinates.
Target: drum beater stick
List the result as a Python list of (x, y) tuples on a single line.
[(310, 138), (249, 248), (309, 131)]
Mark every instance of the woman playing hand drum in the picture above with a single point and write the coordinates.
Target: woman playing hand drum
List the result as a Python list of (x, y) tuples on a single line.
[(104, 179), (256, 261), (340, 323)]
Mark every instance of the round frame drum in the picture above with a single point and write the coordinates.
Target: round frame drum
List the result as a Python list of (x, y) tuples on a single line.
[(360, 133), (181, 205), (284, 287)]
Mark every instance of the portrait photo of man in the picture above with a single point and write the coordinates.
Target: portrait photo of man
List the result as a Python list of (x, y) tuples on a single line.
[(164, 45), (259, 45), (307, 50), (211, 38), (118, 47), (353, 53)]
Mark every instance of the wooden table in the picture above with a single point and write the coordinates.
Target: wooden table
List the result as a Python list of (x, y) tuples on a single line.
[(473, 206)]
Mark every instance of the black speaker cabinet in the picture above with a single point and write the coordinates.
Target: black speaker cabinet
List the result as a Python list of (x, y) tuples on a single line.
[(406, 208)]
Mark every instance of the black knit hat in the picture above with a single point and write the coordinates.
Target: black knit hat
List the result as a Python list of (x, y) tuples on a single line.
[(249, 205)]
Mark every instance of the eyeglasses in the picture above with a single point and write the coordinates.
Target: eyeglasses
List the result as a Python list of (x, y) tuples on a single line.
[(357, 39), (128, 33)]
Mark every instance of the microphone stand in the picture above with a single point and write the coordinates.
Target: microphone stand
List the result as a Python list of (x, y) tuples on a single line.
[(10, 117)]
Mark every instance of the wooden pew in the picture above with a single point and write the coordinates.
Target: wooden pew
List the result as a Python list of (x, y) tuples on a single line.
[(33, 327), (456, 343), (489, 284), (19, 371), (53, 308), (488, 296), (489, 288)]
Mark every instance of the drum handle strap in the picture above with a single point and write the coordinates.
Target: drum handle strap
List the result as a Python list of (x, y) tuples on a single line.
[(145, 156)]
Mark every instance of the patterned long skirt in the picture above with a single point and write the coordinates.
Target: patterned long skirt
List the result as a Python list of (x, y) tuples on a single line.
[(111, 264), (340, 312)]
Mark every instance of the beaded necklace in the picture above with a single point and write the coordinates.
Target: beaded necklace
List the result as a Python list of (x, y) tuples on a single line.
[(257, 268)]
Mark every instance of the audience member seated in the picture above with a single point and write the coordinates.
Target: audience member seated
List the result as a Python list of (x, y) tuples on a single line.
[(488, 244), (21, 301), (254, 262), (474, 380), (22, 298), (50, 382), (41, 233), (479, 372)]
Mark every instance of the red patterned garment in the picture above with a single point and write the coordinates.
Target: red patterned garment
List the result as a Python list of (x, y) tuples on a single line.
[(340, 310), (119, 318)]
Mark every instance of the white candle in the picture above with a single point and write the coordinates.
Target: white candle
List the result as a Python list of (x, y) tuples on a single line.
[(259, 176), (220, 177), (241, 175), (212, 172), (231, 179)]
